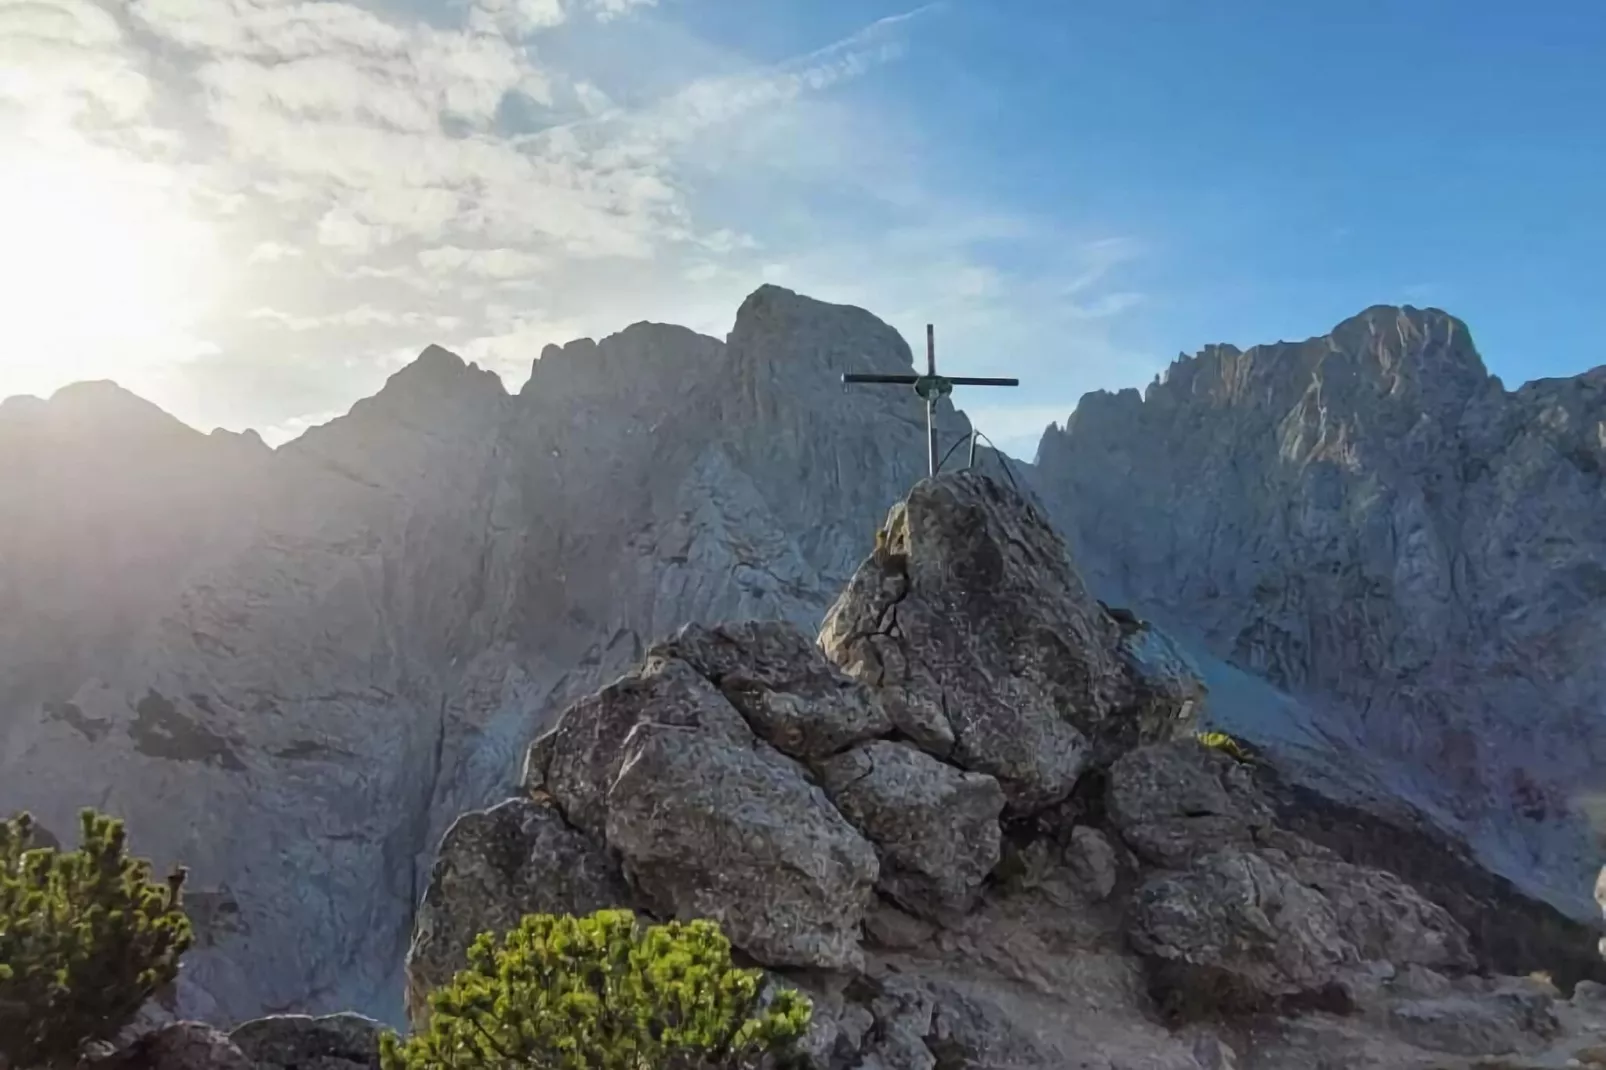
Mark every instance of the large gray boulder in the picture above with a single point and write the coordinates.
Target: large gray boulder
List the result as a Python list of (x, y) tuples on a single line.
[(774, 675), (934, 826), (1176, 801), (1240, 913), (978, 635), (708, 819), (713, 827), (301, 1042), (494, 867), (579, 760), (1243, 929)]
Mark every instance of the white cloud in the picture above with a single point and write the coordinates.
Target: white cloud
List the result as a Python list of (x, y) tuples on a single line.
[(500, 263), (271, 252), (278, 434), (64, 58), (516, 17), (606, 10), (383, 180), (360, 316)]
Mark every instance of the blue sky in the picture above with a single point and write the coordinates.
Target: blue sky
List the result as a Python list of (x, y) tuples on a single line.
[(1282, 165), (1074, 192)]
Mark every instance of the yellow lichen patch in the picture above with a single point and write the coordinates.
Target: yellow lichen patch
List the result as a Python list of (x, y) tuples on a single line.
[(1225, 744)]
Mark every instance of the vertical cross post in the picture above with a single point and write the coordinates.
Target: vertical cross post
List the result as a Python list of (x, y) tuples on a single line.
[(931, 388), (931, 405)]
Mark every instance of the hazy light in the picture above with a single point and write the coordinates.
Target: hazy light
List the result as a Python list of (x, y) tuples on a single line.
[(102, 274)]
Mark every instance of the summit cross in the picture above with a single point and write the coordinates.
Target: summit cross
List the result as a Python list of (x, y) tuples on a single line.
[(931, 387)]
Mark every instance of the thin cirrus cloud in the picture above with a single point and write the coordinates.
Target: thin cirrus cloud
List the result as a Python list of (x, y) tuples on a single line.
[(377, 181)]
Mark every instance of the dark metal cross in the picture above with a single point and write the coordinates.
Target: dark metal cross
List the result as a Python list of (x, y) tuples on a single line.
[(931, 387)]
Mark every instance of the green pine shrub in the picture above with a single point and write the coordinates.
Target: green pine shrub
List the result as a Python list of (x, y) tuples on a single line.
[(86, 938), (603, 993)]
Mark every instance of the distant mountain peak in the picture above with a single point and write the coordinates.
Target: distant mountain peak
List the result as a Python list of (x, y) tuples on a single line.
[(94, 408), (1408, 326), (437, 374), (652, 358), (789, 334)]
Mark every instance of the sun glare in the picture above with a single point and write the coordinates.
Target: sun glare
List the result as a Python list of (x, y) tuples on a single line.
[(102, 274)]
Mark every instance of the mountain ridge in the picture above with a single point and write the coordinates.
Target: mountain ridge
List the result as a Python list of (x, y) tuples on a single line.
[(1369, 517)]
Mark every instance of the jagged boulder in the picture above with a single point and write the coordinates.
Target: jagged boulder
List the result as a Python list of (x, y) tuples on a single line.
[(1243, 914), (578, 761), (300, 1042), (709, 826), (1176, 801), (979, 637), (1508, 1015), (1238, 923), (494, 867), (934, 826), (1243, 929), (792, 697), (176, 1046), (1386, 919)]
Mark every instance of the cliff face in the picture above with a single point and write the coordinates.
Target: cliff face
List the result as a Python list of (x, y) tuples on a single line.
[(292, 669), (1370, 522)]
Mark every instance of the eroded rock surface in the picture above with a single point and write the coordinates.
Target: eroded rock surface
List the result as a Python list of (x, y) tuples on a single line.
[(1174, 803), (974, 628), (300, 1042), (774, 675), (708, 826), (935, 826), (494, 867), (177, 1046)]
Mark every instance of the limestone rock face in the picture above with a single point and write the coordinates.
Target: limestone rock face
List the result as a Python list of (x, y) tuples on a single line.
[(1375, 525), (976, 631)]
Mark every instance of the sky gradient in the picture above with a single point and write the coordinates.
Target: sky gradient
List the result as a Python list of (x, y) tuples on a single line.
[(252, 211)]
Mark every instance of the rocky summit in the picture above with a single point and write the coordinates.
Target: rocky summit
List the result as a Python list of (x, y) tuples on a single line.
[(975, 824)]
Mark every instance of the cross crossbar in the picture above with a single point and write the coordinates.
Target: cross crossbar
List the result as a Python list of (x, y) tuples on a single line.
[(931, 387)]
